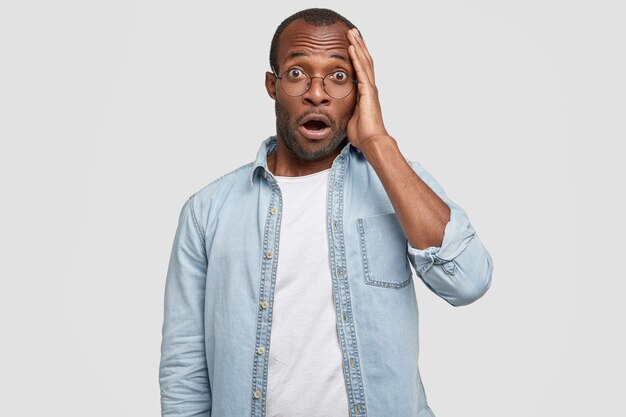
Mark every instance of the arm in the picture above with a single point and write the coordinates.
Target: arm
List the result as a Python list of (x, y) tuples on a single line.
[(459, 270), (442, 245), (422, 214), (183, 376)]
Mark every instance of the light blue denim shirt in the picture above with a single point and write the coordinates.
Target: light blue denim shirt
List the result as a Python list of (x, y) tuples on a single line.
[(221, 278)]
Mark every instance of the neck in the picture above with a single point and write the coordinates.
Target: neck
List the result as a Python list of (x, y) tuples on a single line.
[(285, 163)]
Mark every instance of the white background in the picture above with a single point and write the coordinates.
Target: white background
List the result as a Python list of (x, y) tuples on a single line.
[(113, 113)]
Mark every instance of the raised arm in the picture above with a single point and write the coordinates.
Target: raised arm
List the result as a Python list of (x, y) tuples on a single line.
[(459, 270), (442, 245)]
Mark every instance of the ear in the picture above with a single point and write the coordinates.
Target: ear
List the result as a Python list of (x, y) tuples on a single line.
[(270, 84)]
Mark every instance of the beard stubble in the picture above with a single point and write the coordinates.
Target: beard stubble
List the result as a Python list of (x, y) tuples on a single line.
[(287, 132)]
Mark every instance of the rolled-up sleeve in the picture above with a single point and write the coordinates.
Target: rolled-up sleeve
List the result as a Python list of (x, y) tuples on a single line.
[(460, 270), (183, 376)]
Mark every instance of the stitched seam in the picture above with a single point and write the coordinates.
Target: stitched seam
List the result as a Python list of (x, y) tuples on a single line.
[(195, 220), (227, 174), (366, 267), (364, 251), (426, 267), (274, 266), (449, 267), (199, 231), (359, 396)]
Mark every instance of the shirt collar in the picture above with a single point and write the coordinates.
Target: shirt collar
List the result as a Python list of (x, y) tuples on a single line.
[(267, 147)]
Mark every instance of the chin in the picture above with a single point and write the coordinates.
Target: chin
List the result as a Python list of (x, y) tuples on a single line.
[(316, 149)]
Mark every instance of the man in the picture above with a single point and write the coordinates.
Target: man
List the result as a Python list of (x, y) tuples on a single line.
[(289, 290)]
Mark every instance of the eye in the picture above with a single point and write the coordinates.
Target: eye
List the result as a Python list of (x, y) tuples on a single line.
[(339, 76), (295, 74)]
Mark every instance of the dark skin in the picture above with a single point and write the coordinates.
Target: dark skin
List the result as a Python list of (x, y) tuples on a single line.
[(356, 118), (319, 44)]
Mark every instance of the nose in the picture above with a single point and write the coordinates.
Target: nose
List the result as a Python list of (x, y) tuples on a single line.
[(316, 94)]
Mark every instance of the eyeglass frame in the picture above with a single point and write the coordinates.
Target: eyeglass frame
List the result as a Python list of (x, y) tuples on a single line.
[(354, 82)]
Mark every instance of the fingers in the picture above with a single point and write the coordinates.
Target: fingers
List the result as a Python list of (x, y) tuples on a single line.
[(361, 42), (361, 74), (362, 59)]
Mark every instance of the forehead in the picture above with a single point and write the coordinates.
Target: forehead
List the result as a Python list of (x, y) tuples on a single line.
[(304, 37)]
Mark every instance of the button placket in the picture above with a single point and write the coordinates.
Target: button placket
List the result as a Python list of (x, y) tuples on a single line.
[(340, 276), (266, 294)]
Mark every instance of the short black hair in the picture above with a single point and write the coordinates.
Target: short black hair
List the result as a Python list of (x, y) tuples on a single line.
[(316, 17)]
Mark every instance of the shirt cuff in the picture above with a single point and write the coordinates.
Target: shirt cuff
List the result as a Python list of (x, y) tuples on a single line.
[(457, 235)]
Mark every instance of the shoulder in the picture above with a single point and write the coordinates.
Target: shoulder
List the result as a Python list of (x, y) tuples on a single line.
[(199, 205), (204, 197)]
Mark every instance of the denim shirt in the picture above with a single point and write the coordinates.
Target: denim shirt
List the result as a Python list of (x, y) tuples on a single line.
[(221, 279)]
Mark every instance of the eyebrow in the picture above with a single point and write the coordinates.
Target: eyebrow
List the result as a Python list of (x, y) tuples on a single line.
[(336, 56)]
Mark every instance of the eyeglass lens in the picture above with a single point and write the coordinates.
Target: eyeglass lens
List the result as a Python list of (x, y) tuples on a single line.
[(296, 82)]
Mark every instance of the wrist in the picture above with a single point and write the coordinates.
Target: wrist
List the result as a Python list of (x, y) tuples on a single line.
[(377, 146)]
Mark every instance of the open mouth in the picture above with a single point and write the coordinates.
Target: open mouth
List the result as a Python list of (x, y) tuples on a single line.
[(315, 127)]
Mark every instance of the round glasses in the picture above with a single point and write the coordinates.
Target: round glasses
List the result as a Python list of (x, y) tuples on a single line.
[(295, 82)]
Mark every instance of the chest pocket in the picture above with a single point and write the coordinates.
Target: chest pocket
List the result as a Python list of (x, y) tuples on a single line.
[(384, 251)]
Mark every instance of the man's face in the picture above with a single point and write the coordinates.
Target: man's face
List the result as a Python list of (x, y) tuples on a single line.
[(317, 51)]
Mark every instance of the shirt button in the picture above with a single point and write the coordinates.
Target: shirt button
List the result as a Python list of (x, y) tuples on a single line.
[(265, 174), (351, 362), (339, 272), (260, 350), (269, 254), (257, 394), (345, 316), (436, 261), (335, 224), (274, 210), (264, 304)]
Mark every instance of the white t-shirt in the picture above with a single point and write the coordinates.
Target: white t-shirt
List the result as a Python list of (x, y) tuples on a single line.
[(305, 377)]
